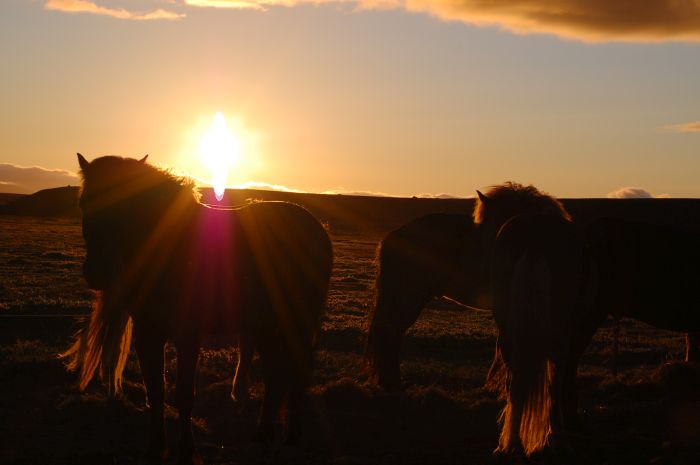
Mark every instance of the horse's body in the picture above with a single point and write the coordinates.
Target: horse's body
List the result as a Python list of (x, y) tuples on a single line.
[(425, 259), (539, 277), (181, 270), (648, 272)]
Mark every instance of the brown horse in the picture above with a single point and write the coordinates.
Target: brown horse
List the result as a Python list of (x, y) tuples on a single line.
[(177, 270), (439, 255), (539, 277)]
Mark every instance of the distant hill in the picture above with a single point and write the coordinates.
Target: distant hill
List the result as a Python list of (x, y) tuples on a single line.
[(379, 214), (7, 198), (59, 201)]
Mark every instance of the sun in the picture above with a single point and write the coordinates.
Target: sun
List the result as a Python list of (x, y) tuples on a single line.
[(219, 150)]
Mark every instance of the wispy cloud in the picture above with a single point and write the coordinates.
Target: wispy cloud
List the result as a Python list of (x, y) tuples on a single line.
[(693, 126), (87, 6), (261, 5), (29, 179), (266, 187), (228, 4), (584, 20), (634, 193)]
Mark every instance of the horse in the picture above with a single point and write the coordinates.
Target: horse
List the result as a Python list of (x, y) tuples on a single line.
[(166, 267), (539, 278), (649, 273), (434, 256)]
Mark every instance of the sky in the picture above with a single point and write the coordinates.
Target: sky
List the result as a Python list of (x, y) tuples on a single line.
[(394, 97)]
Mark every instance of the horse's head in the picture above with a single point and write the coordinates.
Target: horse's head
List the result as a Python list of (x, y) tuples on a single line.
[(505, 201), (105, 193), (510, 199)]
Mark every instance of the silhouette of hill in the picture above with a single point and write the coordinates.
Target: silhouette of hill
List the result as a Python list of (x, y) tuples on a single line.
[(376, 214), (6, 198), (59, 201)]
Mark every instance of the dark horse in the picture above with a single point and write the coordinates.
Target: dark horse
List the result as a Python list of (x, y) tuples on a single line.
[(439, 255), (177, 270), (650, 273), (540, 280)]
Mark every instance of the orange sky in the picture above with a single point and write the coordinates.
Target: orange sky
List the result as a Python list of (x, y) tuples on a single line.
[(388, 97)]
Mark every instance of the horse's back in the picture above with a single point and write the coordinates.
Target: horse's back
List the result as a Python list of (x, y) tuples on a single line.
[(253, 265), (433, 247), (648, 272)]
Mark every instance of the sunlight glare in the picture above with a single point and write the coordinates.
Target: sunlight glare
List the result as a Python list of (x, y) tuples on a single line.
[(219, 150)]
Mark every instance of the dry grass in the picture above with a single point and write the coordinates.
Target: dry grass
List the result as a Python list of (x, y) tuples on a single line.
[(649, 413)]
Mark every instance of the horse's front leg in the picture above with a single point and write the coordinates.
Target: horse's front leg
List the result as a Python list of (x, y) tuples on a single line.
[(149, 348), (276, 384), (692, 347), (239, 392), (187, 355)]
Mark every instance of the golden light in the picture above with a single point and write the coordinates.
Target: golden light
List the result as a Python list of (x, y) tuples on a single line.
[(219, 150)]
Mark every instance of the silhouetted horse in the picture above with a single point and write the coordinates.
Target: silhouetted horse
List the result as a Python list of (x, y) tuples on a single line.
[(650, 273), (439, 255), (179, 270), (539, 278)]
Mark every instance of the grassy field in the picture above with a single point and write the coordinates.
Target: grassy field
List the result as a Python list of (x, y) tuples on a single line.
[(648, 414)]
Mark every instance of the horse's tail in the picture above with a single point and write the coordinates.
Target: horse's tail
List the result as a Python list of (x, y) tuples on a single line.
[(497, 377), (383, 335), (103, 344), (529, 333)]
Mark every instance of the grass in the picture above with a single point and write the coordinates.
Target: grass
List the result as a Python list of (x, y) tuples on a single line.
[(648, 414)]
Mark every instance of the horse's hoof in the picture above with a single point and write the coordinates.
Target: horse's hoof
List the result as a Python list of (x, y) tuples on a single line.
[(240, 401), (264, 435), (190, 459), (154, 457), (289, 453), (512, 454)]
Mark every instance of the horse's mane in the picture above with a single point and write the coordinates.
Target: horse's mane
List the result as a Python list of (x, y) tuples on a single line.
[(519, 198), (140, 178)]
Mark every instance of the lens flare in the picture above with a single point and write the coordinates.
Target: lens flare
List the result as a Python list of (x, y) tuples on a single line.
[(219, 150)]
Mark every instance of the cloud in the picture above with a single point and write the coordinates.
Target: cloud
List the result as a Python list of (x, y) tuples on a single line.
[(264, 186), (425, 195), (262, 5), (584, 20), (228, 4), (693, 126), (26, 180), (343, 191), (428, 195), (634, 193), (87, 6)]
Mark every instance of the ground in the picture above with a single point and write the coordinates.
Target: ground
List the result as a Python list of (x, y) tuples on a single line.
[(648, 414)]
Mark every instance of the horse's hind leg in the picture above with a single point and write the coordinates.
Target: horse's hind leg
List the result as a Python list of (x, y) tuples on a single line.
[(149, 348), (187, 354), (558, 439), (239, 391), (511, 416), (275, 389), (692, 347), (298, 383)]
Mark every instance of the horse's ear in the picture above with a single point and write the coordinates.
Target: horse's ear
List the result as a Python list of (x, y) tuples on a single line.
[(482, 197), (143, 160), (83, 162)]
